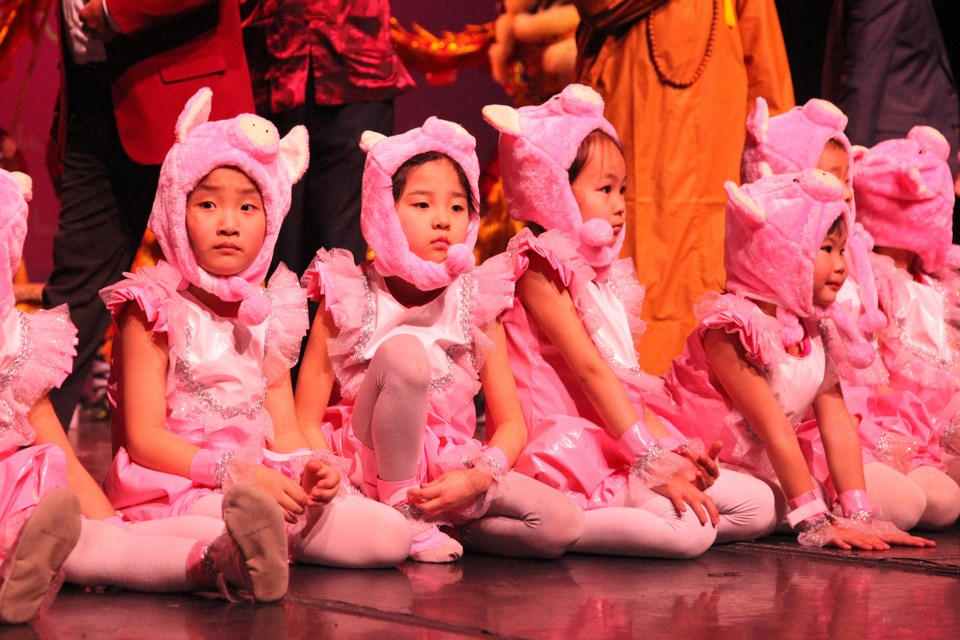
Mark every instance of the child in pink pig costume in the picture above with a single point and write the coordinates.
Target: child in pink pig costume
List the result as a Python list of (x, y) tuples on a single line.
[(905, 200), (49, 503), (759, 360), (403, 344), (599, 426), (200, 379), (894, 426)]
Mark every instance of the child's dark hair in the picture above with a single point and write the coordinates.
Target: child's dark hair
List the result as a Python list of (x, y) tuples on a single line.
[(834, 143), (585, 150), (838, 228), (400, 176)]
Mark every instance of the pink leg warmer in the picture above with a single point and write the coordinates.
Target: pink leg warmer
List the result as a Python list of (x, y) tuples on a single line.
[(353, 532), (391, 407), (527, 519)]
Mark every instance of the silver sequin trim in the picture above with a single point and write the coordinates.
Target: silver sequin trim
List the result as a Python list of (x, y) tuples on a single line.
[(26, 347), (196, 389)]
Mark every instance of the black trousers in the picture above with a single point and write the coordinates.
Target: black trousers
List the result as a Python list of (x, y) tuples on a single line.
[(105, 203), (325, 209)]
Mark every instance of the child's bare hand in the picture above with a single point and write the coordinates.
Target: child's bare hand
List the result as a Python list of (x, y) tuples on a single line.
[(844, 538), (450, 491), (681, 490), (288, 494), (320, 481), (706, 465)]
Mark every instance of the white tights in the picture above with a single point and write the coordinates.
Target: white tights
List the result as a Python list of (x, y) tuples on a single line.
[(652, 528), (155, 561), (353, 532), (924, 498)]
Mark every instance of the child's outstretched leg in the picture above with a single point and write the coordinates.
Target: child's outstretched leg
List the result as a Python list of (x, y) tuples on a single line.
[(943, 497), (389, 419), (354, 532), (527, 519), (250, 557), (648, 527), (896, 498), (746, 506), (44, 542)]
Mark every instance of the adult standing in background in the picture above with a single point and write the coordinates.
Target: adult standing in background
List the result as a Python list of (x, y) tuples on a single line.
[(678, 78), (331, 66), (888, 68), (128, 67)]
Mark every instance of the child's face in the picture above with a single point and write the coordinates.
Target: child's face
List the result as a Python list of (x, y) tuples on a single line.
[(830, 268), (433, 210), (226, 221), (600, 186), (834, 160)]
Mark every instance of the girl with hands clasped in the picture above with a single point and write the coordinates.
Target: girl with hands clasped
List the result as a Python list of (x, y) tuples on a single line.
[(402, 344), (53, 514), (759, 360), (600, 428), (202, 385)]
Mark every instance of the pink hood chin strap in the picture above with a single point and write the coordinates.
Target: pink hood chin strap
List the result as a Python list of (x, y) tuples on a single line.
[(378, 210)]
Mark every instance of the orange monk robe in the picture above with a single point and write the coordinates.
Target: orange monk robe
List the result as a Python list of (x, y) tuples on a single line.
[(680, 144)]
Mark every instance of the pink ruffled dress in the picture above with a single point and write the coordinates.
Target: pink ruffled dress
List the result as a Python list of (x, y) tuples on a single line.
[(920, 348), (567, 447), (707, 411), (218, 373), (450, 327), (36, 354)]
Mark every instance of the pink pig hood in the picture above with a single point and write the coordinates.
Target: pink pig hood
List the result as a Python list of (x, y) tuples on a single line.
[(774, 228), (378, 212), (538, 145), (905, 197), (793, 141), (15, 193), (251, 144)]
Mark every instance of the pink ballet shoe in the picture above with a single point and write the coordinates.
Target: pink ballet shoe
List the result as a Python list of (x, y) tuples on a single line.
[(248, 562), (433, 545), (29, 570)]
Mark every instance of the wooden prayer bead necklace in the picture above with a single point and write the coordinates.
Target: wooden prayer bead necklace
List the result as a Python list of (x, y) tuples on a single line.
[(652, 49)]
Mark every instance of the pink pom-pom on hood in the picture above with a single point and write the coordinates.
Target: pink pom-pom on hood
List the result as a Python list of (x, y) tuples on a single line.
[(774, 228), (378, 210), (905, 197), (538, 145), (16, 190), (251, 144)]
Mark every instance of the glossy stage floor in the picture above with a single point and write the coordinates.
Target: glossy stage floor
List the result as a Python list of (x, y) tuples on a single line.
[(766, 590)]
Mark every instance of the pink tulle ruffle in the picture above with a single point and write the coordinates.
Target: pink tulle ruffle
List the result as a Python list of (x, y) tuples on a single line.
[(287, 324)]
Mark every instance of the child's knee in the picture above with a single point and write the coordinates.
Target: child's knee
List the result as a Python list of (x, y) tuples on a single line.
[(406, 362), (942, 495), (895, 497)]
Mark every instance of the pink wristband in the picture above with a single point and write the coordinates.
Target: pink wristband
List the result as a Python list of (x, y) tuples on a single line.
[(203, 468), (636, 441), (671, 444), (855, 501), (497, 456), (805, 507), (802, 499)]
